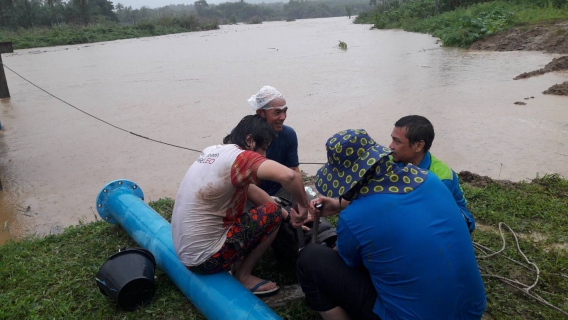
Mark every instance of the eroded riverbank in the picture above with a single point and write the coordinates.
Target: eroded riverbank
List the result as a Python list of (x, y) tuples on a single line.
[(548, 38)]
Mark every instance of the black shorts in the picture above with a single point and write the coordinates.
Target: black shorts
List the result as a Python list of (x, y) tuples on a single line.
[(328, 283)]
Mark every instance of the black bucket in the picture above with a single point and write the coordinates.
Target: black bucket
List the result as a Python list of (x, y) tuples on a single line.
[(128, 277)]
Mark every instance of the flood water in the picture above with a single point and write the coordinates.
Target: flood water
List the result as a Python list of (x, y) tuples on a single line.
[(191, 89)]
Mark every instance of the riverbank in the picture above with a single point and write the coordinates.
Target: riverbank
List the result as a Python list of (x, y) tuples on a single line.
[(112, 22), (490, 26), (53, 277), (71, 34), (557, 64), (545, 37), (548, 38), (465, 25)]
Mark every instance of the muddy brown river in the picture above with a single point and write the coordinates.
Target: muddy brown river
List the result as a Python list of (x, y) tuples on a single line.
[(191, 89)]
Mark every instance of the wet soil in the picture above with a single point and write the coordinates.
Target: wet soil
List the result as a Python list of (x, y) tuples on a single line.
[(558, 89), (557, 64), (549, 38), (476, 180), (479, 181)]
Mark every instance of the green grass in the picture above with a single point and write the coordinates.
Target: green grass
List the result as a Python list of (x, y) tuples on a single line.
[(531, 208), (67, 35), (53, 277), (540, 205), (533, 15), (504, 302)]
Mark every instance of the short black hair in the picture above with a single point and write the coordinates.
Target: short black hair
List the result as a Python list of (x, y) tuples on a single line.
[(417, 128), (261, 133)]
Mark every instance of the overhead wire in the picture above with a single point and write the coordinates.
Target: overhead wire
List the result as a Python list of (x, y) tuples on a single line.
[(93, 116), (108, 123)]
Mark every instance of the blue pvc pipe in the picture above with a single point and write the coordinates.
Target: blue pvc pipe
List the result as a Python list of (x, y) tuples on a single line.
[(217, 296)]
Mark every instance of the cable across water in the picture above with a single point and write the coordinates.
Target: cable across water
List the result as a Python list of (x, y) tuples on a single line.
[(110, 124)]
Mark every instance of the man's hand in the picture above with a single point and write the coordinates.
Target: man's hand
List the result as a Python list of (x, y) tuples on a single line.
[(329, 207), (299, 215)]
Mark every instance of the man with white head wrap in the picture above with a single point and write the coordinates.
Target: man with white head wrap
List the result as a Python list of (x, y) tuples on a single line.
[(271, 105)]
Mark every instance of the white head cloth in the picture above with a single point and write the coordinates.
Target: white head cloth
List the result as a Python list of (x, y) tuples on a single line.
[(263, 97)]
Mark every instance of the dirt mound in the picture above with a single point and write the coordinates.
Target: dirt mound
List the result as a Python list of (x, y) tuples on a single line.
[(476, 180), (555, 65), (548, 38), (558, 89)]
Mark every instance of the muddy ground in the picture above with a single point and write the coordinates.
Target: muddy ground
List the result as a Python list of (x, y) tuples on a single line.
[(549, 38), (557, 64), (476, 180)]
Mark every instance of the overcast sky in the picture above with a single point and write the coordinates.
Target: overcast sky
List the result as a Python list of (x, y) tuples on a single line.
[(136, 4)]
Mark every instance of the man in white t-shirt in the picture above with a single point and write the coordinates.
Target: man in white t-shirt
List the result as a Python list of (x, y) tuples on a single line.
[(211, 232)]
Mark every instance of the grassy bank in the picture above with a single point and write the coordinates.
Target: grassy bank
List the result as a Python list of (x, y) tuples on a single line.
[(465, 25), (53, 277), (67, 34)]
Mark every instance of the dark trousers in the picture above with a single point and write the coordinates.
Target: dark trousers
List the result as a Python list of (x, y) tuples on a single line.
[(328, 283)]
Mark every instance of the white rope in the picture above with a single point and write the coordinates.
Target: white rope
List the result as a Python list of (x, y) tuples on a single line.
[(485, 249), (514, 283)]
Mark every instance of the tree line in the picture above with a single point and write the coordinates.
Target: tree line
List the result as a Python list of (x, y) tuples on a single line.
[(36, 13), (439, 6), (16, 14), (234, 12)]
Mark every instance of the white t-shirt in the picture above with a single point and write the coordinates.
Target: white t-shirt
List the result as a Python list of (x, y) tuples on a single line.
[(211, 197)]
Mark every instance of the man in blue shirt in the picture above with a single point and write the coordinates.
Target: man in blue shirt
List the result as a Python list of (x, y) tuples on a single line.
[(412, 138), (403, 251), (271, 105)]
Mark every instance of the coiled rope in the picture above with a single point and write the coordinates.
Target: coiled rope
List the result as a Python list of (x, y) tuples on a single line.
[(524, 288)]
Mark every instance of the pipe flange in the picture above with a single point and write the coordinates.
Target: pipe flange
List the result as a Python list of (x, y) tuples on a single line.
[(122, 186)]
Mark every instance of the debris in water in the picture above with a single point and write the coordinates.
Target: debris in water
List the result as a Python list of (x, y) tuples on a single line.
[(520, 103)]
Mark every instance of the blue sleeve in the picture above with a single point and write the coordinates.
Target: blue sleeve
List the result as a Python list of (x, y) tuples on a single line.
[(454, 186), (292, 152), (347, 245)]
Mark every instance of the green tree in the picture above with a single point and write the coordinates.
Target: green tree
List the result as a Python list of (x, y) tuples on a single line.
[(52, 7), (200, 6), (559, 3), (28, 13), (10, 4)]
